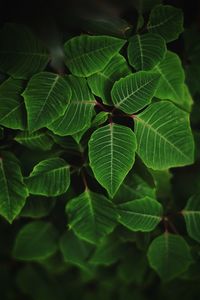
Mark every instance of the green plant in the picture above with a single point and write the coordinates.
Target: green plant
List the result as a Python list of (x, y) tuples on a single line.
[(90, 152)]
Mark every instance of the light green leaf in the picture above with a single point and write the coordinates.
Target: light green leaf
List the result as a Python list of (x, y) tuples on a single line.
[(112, 155), (12, 108), (146, 51), (13, 192), (46, 98), (169, 255), (188, 102), (50, 177), (102, 82), (167, 21), (21, 53), (135, 91), (86, 55), (171, 85), (191, 215), (80, 110), (39, 140), (35, 241), (91, 216), (37, 207), (164, 136), (100, 118), (141, 214)]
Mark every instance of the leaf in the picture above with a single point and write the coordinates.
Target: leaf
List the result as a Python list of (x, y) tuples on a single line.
[(135, 91), (112, 155), (164, 136), (102, 82), (141, 214), (50, 177), (37, 207), (100, 118), (143, 6), (13, 192), (169, 255), (146, 51), (191, 214), (86, 55), (39, 140), (167, 21), (171, 85), (21, 53), (91, 216), (35, 241), (12, 108), (46, 98), (80, 110)]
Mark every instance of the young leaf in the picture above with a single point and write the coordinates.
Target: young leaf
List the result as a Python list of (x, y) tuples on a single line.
[(141, 214), (171, 85), (167, 21), (12, 108), (135, 91), (164, 136), (46, 98), (112, 155), (91, 216), (50, 177), (146, 51), (21, 53), (36, 240), (191, 215), (86, 55), (38, 140), (102, 82), (169, 255), (13, 192), (80, 110)]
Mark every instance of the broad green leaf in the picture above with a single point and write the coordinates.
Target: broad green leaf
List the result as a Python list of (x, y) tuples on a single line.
[(112, 155), (86, 55), (78, 135), (100, 118), (169, 255), (21, 53), (135, 91), (102, 82), (12, 108), (167, 21), (46, 98), (36, 240), (13, 192), (80, 110), (146, 51), (191, 215), (37, 207), (141, 214), (164, 136), (187, 99), (171, 85), (91, 216), (163, 183), (50, 177), (39, 140)]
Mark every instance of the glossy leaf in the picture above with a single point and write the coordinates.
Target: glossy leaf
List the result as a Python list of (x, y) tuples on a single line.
[(39, 140)]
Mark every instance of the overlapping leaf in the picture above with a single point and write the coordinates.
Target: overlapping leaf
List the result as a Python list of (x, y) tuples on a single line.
[(37, 207), (37, 140)]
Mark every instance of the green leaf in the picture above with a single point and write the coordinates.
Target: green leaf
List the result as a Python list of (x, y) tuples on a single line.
[(191, 215), (143, 6), (146, 51), (21, 53), (171, 85), (37, 207), (164, 136), (169, 255), (91, 216), (46, 98), (102, 82), (100, 118), (80, 110), (39, 140), (12, 108), (13, 192), (112, 155), (35, 241), (141, 214), (86, 55), (135, 91), (167, 21), (50, 177)]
